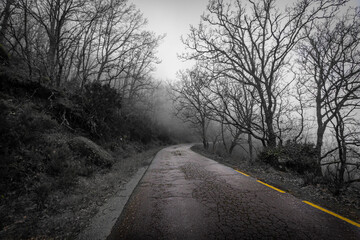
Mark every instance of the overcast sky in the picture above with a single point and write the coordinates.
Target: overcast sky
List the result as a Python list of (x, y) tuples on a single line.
[(173, 17)]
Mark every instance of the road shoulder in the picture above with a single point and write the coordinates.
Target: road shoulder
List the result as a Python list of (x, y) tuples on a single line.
[(100, 226), (102, 223), (347, 205)]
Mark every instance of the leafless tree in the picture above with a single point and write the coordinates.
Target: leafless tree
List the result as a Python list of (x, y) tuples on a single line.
[(56, 18), (233, 107), (4, 17), (140, 63), (117, 30), (330, 59), (189, 101), (74, 42), (252, 45)]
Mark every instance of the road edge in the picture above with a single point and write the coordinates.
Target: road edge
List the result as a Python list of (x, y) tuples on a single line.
[(349, 219), (103, 222)]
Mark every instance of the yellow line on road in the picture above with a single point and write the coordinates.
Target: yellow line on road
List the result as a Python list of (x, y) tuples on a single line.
[(242, 173), (271, 186), (332, 213)]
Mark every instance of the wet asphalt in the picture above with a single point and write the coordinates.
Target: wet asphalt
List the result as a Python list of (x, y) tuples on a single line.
[(184, 195)]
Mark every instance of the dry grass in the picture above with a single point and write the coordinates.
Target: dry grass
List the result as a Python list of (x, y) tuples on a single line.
[(65, 212)]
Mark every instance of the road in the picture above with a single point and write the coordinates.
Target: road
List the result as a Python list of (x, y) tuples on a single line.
[(186, 196)]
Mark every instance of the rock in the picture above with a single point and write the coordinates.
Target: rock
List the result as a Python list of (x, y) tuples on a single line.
[(94, 153)]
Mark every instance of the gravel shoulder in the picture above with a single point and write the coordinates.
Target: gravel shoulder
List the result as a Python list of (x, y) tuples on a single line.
[(347, 203)]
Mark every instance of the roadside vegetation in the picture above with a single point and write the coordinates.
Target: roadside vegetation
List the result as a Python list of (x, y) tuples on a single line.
[(290, 180), (281, 83), (77, 103)]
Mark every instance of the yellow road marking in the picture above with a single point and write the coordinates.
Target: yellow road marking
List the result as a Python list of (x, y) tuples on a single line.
[(271, 186), (332, 213), (242, 173)]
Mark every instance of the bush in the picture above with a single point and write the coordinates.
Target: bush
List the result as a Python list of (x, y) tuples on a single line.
[(25, 124), (139, 129), (59, 158), (100, 103), (271, 156), (8, 138), (4, 56), (298, 157)]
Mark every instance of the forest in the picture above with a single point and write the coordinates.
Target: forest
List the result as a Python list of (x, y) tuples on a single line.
[(281, 83), (77, 100)]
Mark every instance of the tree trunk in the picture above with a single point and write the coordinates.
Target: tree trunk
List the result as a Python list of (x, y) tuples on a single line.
[(27, 47), (59, 75), (318, 148), (250, 147), (234, 141), (320, 130), (223, 136), (4, 23), (232, 146), (203, 129), (342, 150), (342, 169), (214, 143), (51, 60), (271, 142)]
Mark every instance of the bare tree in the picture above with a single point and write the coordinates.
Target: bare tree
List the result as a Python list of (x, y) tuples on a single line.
[(55, 16), (4, 17), (252, 46), (118, 30), (330, 57), (83, 41), (189, 101), (140, 62), (233, 106), (84, 62)]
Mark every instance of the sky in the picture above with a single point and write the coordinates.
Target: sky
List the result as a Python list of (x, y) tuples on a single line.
[(174, 17)]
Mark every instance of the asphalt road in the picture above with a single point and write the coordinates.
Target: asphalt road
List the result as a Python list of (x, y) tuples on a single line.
[(186, 196)]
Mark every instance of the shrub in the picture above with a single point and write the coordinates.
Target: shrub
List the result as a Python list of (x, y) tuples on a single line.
[(8, 137), (4, 56), (164, 137), (298, 157), (61, 165), (271, 156), (100, 103), (58, 159), (42, 190), (139, 128), (27, 124), (301, 157)]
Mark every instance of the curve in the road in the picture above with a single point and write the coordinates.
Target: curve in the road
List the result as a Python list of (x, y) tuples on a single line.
[(184, 195)]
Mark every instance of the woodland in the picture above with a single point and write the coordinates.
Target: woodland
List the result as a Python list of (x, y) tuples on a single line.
[(280, 82), (78, 98)]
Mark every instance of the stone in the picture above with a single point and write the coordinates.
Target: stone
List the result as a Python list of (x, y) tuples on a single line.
[(94, 153)]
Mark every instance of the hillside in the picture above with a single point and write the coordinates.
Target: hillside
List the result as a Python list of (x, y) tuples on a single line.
[(61, 155)]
